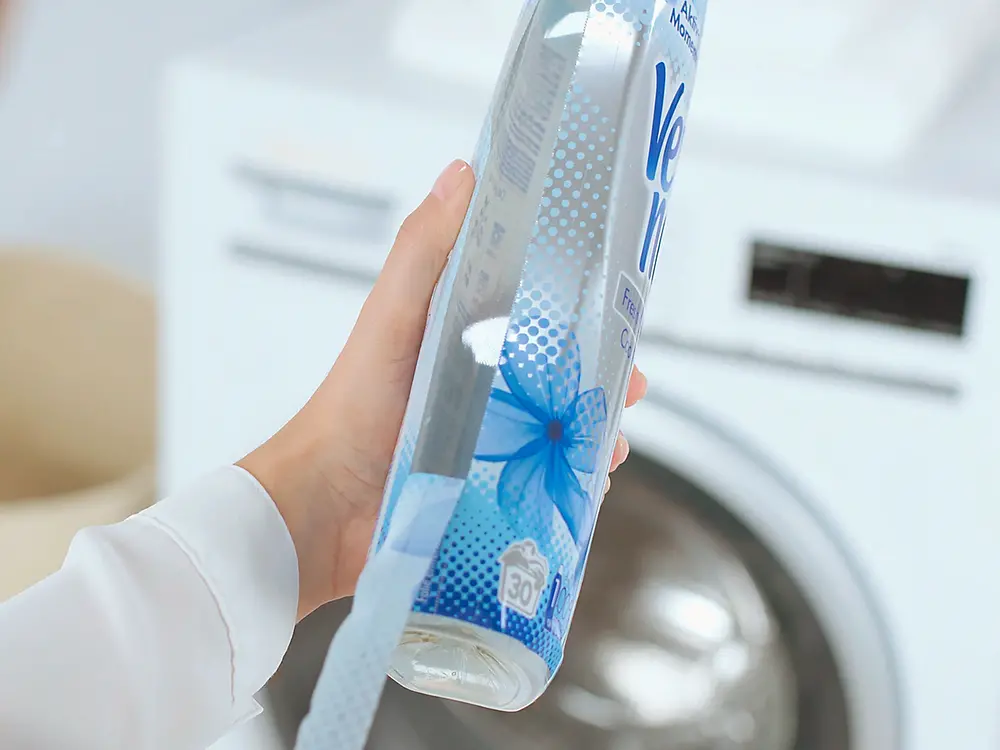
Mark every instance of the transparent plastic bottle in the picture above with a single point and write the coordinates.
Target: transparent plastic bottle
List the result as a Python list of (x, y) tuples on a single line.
[(523, 373)]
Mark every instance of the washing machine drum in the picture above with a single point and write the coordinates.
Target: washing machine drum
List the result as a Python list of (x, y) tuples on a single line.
[(673, 645), (687, 636)]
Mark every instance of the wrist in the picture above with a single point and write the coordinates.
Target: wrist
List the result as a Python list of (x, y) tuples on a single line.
[(286, 467)]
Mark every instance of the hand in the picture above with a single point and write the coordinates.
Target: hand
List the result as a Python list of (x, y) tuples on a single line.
[(326, 470)]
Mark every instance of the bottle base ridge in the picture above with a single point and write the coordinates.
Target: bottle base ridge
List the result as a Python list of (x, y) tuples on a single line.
[(458, 661)]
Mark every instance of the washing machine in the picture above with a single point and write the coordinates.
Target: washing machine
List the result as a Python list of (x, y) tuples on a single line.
[(800, 553)]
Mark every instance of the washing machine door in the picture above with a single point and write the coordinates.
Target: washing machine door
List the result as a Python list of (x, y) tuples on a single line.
[(717, 613)]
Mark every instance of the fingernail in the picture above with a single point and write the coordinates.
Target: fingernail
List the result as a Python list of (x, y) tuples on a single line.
[(450, 180), (607, 486), (623, 446), (643, 380)]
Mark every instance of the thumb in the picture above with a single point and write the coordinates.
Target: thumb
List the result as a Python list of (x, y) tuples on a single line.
[(396, 312)]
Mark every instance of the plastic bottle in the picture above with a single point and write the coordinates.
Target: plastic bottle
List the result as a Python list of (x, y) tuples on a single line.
[(522, 377)]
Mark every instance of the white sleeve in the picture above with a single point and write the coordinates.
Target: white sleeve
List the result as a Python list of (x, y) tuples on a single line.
[(157, 632)]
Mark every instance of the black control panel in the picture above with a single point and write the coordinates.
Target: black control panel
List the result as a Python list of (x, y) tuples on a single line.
[(825, 282)]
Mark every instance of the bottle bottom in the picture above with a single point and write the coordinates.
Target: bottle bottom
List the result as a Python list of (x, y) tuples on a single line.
[(458, 661)]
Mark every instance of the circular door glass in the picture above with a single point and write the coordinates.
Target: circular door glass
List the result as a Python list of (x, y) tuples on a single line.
[(673, 644)]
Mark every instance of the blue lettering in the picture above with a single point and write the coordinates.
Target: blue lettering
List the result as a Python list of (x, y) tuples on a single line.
[(654, 235), (691, 17), (627, 343), (672, 151), (667, 135), (681, 21), (677, 21), (630, 307), (666, 139)]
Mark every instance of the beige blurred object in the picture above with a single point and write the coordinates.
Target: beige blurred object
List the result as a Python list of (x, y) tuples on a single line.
[(4, 16), (77, 407)]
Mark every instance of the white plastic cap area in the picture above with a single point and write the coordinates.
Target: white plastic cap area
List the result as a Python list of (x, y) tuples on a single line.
[(851, 81)]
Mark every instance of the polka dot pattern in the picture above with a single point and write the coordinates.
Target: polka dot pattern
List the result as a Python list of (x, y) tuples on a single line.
[(639, 13), (465, 577)]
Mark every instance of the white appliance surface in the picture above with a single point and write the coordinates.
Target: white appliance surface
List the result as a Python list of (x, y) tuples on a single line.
[(853, 81), (857, 451)]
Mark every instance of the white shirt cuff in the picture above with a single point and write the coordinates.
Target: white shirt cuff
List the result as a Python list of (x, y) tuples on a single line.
[(239, 543)]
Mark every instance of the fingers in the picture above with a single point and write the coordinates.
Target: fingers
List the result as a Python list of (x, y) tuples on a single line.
[(425, 240), (402, 294), (637, 387), (620, 455)]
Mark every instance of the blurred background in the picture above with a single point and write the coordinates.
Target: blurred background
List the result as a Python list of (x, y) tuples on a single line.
[(195, 199)]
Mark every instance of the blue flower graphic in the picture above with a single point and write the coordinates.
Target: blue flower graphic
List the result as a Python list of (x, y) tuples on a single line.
[(545, 431)]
